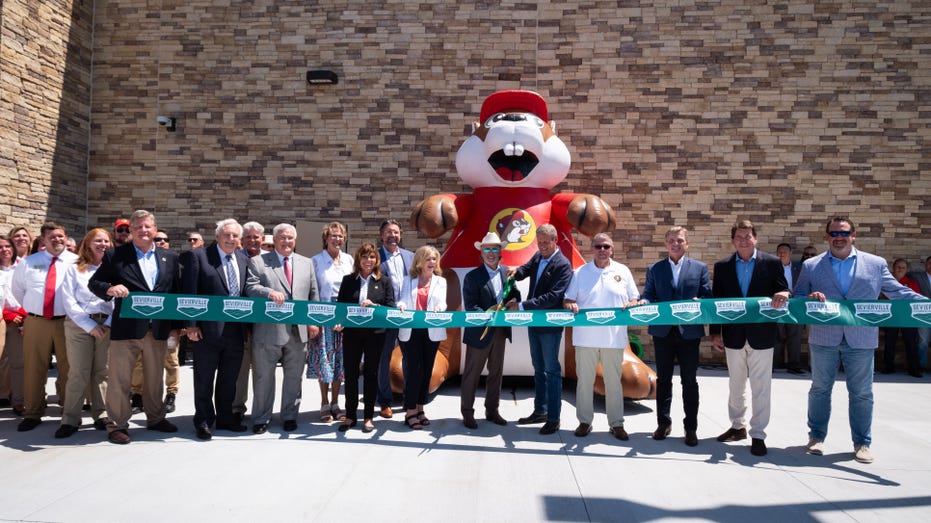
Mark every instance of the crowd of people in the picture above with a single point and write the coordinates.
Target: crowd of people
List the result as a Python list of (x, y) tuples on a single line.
[(63, 299)]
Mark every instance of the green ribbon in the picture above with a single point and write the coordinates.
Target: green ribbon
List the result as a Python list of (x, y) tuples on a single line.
[(865, 313)]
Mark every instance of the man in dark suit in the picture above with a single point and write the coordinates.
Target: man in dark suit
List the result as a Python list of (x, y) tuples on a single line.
[(137, 266), (749, 346), (678, 277), (278, 276), (217, 270), (483, 289), (550, 273), (789, 341), (395, 264)]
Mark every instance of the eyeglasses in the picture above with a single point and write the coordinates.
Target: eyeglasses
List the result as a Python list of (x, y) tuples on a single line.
[(835, 234), (491, 249), (122, 229), (193, 240), (602, 247), (160, 239)]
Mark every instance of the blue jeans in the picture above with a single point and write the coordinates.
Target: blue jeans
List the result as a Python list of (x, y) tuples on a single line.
[(858, 368), (547, 373)]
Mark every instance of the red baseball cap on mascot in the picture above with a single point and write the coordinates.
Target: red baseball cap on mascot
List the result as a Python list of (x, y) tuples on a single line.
[(513, 101)]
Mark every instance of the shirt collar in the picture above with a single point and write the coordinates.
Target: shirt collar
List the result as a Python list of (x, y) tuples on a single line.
[(853, 254), (140, 254)]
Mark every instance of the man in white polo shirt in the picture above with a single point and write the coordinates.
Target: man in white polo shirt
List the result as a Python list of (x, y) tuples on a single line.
[(599, 284)]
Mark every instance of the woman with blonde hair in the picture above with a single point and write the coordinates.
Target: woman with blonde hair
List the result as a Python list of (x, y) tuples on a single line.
[(325, 352), (423, 290), (87, 336)]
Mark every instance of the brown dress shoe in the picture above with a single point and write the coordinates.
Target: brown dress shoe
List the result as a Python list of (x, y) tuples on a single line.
[(661, 432), (120, 437), (386, 412), (733, 435), (619, 433), (584, 429), (469, 422), (758, 447)]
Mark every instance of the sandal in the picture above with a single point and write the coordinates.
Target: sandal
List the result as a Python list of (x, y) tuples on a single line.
[(337, 413), (423, 419), (325, 415), (415, 425)]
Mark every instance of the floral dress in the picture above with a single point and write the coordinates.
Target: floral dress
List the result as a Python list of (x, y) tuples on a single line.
[(325, 352)]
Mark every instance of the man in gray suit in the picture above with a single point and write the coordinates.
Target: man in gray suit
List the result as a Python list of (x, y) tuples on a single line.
[(924, 334), (279, 275), (844, 273)]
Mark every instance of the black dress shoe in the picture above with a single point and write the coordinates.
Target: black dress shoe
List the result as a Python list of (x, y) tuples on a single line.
[(100, 424), (550, 427), (260, 428), (661, 432), (532, 419), (5, 403), (233, 427), (757, 447), (237, 418), (28, 424), (346, 425), (796, 371), (290, 425), (691, 439), (494, 417), (204, 433), (169, 403), (733, 435), (163, 426), (469, 422), (65, 431), (135, 401)]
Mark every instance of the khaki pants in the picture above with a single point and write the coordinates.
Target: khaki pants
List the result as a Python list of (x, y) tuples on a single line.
[(40, 336), (586, 364), (122, 359), (87, 357), (172, 373)]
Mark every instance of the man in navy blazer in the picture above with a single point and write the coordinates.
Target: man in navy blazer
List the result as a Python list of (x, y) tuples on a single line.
[(550, 273), (677, 277), (483, 289), (844, 273), (395, 264), (748, 346), (788, 350), (217, 270), (137, 266)]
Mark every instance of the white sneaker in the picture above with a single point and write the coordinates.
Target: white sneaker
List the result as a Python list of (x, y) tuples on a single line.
[(862, 454), (815, 447)]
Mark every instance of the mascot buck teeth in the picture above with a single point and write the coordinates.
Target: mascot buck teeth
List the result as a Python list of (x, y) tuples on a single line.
[(512, 161)]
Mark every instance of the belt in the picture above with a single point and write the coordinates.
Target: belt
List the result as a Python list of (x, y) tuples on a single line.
[(41, 316), (99, 317)]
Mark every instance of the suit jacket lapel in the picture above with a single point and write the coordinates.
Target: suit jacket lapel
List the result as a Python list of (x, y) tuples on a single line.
[(133, 264), (213, 258), (827, 274)]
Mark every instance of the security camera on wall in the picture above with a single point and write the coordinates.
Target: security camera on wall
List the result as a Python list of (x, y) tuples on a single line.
[(167, 122)]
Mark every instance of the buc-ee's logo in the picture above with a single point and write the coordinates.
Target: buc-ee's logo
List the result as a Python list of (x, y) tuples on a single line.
[(193, 307), (515, 227), (147, 305)]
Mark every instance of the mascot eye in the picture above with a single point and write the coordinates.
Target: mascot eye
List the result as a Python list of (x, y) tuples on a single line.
[(537, 121), (493, 119)]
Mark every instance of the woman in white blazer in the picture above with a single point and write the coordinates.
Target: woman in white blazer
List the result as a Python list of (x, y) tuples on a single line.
[(424, 290)]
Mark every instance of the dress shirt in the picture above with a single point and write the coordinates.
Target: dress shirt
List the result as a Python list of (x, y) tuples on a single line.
[(844, 269), (330, 274), (676, 269), (228, 261), (28, 285), (80, 302), (148, 264), (745, 272), (364, 288), (787, 270), (396, 263), (495, 282)]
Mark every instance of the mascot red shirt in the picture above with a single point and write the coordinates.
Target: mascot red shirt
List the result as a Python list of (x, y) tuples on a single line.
[(512, 161)]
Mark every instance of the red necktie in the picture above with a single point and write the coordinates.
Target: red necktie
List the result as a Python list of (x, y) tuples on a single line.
[(48, 301), (287, 271)]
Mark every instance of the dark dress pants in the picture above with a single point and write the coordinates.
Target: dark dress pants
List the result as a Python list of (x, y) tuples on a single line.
[(220, 358), (493, 355), (891, 335), (419, 354), (670, 349), (385, 394), (359, 344)]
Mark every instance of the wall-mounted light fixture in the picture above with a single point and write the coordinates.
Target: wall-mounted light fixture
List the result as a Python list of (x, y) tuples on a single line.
[(167, 122), (322, 76)]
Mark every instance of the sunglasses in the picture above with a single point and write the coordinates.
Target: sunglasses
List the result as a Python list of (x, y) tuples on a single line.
[(193, 240), (122, 229), (602, 247), (160, 239), (491, 249), (835, 234)]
